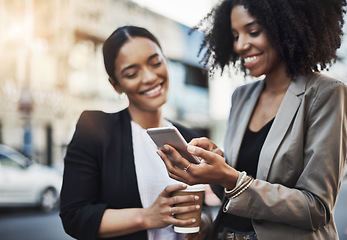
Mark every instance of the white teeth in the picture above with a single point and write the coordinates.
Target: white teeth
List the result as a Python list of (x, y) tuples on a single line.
[(250, 59), (153, 91)]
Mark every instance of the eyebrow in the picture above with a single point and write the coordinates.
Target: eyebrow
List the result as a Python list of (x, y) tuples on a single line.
[(153, 56), (128, 67), (248, 25), (251, 24), (134, 65)]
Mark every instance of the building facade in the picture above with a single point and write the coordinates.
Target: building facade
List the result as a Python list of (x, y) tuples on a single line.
[(52, 69)]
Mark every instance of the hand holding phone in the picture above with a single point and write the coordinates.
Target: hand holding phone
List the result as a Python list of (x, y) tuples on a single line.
[(171, 136)]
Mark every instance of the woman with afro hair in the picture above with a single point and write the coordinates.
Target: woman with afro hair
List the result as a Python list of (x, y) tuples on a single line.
[(286, 144)]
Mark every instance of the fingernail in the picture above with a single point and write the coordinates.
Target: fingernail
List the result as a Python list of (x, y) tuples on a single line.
[(166, 148), (197, 206), (159, 153), (191, 148), (196, 197), (194, 220)]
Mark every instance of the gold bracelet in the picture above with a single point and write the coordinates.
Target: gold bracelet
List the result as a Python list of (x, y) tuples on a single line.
[(238, 184), (241, 188), (236, 190)]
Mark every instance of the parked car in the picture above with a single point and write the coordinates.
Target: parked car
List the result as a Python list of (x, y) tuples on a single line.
[(25, 183)]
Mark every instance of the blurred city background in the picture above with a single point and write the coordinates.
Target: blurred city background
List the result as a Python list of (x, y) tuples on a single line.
[(51, 69)]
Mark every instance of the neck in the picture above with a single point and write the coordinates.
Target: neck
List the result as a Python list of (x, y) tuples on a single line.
[(277, 84), (147, 119)]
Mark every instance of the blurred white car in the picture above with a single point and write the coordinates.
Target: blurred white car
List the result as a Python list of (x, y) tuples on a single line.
[(24, 183)]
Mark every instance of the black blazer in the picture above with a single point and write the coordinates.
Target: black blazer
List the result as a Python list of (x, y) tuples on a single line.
[(100, 173)]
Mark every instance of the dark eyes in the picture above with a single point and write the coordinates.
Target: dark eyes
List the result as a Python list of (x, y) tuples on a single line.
[(156, 63), (252, 34), (133, 74), (255, 33)]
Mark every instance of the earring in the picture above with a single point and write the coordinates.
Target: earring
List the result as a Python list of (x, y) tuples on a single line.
[(122, 96)]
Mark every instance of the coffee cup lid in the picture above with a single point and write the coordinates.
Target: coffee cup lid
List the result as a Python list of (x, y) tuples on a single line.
[(194, 188), (186, 229)]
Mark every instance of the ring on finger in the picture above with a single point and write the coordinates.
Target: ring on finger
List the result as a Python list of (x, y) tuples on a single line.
[(186, 168), (172, 214)]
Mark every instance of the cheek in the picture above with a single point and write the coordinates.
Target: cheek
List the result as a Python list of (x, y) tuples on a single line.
[(163, 73), (274, 57), (130, 86)]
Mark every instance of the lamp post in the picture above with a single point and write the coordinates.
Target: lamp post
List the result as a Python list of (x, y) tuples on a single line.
[(26, 100), (25, 107)]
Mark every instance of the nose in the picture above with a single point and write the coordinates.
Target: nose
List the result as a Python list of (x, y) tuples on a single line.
[(148, 75), (241, 44)]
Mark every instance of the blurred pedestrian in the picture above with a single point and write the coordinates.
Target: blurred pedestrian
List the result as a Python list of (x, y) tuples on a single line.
[(115, 185), (286, 143)]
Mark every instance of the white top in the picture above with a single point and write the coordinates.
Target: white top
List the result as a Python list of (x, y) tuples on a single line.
[(152, 177)]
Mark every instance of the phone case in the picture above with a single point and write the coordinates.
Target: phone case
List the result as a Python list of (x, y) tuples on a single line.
[(171, 136)]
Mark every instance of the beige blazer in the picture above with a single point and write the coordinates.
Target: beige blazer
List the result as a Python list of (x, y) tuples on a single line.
[(301, 162)]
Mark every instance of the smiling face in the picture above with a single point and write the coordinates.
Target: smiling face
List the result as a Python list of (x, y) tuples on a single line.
[(142, 74), (252, 44)]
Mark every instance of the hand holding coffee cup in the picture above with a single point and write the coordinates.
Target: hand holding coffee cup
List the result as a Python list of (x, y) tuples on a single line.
[(197, 190)]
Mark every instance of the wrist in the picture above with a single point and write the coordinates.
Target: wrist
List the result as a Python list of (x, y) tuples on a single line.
[(230, 181), (141, 219)]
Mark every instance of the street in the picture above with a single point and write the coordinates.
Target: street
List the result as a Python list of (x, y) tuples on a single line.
[(31, 224)]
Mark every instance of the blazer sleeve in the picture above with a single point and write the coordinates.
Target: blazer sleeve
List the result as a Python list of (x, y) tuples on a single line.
[(80, 211), (310, 201)]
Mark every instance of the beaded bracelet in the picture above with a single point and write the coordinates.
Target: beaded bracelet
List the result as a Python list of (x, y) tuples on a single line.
[(247, 184), (242, 177), (240, 188)]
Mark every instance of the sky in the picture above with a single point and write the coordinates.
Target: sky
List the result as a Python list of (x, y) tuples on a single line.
[(188, 12)]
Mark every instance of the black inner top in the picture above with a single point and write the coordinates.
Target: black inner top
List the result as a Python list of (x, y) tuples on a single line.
[(248, 161)]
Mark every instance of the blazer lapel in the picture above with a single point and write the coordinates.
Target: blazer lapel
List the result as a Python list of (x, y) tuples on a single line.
[(244, 118), (283, 119)]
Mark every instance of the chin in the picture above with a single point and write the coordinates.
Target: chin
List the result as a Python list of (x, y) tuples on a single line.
[(256, 74), (157, 105)]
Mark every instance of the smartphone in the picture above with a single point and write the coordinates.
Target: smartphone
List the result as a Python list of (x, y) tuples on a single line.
[(171, 136)]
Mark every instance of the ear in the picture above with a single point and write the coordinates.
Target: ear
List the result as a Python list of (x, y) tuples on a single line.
[(115, 85)]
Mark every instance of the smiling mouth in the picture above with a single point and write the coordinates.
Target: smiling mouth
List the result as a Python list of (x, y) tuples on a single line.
[(252, 59), (153, 91)]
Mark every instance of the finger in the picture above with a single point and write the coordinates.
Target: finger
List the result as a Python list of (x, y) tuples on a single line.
[(171, 168), (189, 200), (208, 156), (172, 188), (176, 170), (206, 144), (176, 157), (170, 165), (203, 142), (218, 151), (185, 209), (182, 223)]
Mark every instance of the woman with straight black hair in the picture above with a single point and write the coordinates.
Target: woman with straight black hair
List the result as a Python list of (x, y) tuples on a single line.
[(115, 185)]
